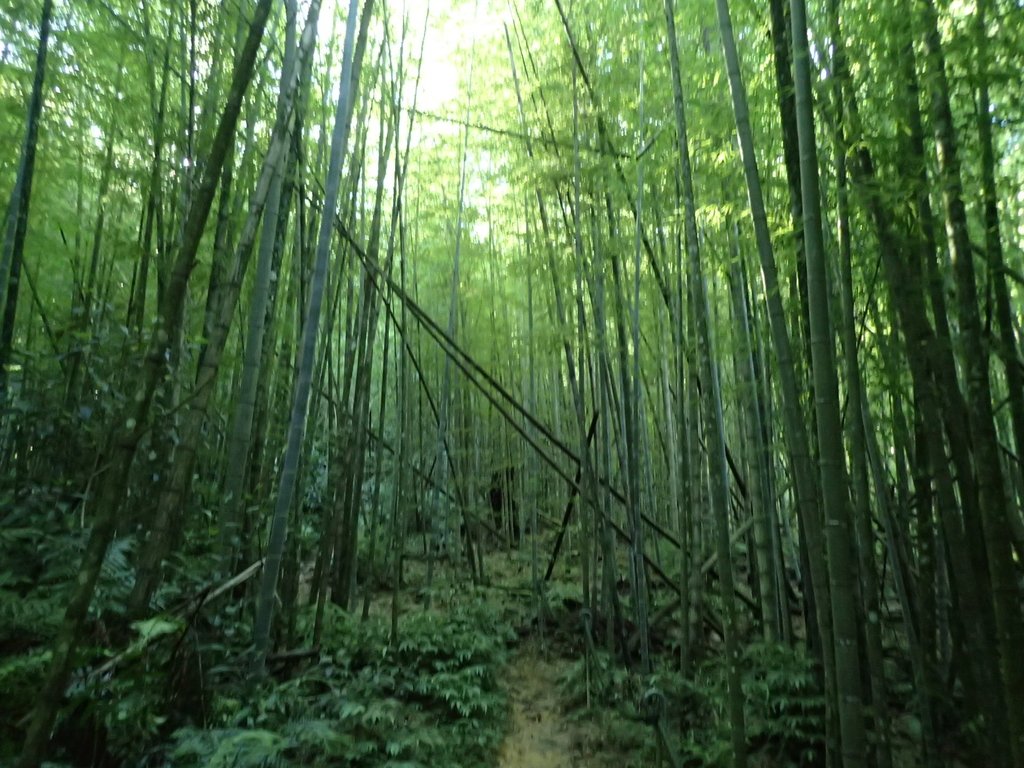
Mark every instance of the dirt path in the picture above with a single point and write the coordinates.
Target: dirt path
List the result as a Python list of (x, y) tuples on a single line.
[(541, 736)]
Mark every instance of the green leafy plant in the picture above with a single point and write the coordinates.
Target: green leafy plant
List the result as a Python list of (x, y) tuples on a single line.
[(784, 709), (431, 698)]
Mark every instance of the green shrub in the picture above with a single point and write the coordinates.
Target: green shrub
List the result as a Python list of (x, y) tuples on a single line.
[(783, 707), (432, 698)]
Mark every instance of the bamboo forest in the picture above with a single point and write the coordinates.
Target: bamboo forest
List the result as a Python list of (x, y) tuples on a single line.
[(512, 383)]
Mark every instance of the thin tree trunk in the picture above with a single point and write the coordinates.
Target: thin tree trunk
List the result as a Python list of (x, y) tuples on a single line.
[(240, 430), (1008, 346), (923, 352), (831, 462), (128, 427), (571, 366), (995, 507), (154, 201), (297, 423), (586, 509), (795, 429), (863, 523), (174, 496), (713, 418), (16, 226), (755, 451), (613, 625), (367, 335), (782, 60)]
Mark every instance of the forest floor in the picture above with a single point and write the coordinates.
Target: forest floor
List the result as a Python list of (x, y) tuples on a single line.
[(545, 729), (540, 735)]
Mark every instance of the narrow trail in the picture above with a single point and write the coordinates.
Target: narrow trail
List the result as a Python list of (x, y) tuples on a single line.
[(540, 735)]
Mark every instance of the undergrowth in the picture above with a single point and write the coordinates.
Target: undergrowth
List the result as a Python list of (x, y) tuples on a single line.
[(783, 707), (431, 698), (179, 692)]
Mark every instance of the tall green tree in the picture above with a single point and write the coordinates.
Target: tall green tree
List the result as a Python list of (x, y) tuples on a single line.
[(831, 460), (16, 221), (128, 427), (713, 417), (311, 325)]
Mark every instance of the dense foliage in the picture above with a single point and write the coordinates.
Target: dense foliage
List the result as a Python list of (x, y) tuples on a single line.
[(339, 339)]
